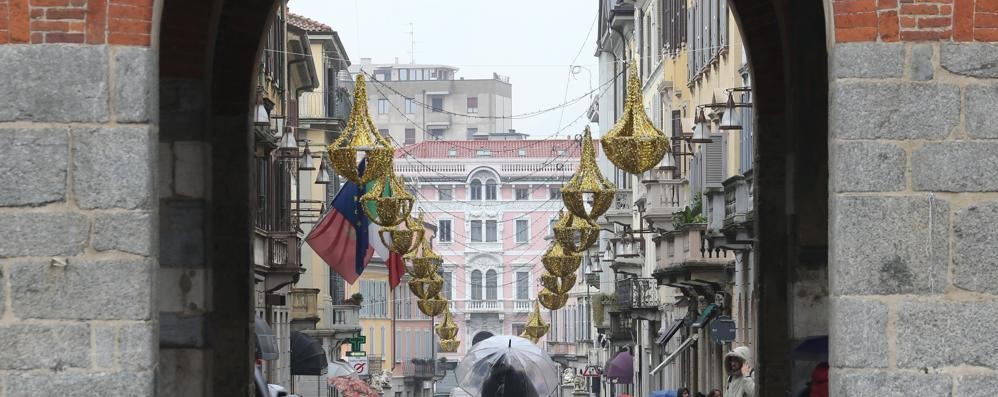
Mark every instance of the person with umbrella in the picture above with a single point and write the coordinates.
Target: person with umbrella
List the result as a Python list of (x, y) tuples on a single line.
[(499, 367)]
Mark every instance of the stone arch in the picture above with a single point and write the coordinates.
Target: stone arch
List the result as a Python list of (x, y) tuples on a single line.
[(480, 336)]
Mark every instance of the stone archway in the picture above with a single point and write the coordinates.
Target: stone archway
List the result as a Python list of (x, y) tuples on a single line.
[(480, 336)]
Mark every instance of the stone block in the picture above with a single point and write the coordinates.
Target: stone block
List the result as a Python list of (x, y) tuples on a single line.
[(137, 346), (164, 175), (980, 102), (47, 384), (56, 233), (955, 167), (54, 83), (182, 331), (105, 345), (55, 347), (858, 333), (189, 171), (181, 237), (869, 60), (977, 386), (975, 251), (921, 62), (181, 372), (970, 59), (135, 74), (182, 289), (34, 164), (129, 231), (868, 110), (947, 334), (104, 289), (888, 384), (113, 167), (889, 245), (868, 167)]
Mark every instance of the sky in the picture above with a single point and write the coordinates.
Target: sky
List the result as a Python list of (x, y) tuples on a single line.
[(534, 42)]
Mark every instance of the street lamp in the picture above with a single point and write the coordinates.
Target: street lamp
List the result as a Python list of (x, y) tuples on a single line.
[(306, 163)]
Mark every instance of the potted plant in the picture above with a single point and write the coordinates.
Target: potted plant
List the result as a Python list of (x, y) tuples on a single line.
[(690, 215), (354, 299)]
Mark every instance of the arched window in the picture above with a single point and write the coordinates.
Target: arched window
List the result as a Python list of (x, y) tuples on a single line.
[(476, 189), (491, 289), (476, 285), (490, 189)]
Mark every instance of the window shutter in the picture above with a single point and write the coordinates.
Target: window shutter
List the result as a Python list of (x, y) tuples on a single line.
[(714, 169), (656, 106), (723, 22)]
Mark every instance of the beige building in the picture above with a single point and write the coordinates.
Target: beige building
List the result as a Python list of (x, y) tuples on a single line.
[(421, 102)]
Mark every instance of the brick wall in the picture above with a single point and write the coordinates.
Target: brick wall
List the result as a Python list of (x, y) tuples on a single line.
[(123, 22), (915, 20)]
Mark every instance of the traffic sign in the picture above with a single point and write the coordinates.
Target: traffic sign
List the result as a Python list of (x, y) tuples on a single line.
[(722, 329), (592, 371), (359, 364)]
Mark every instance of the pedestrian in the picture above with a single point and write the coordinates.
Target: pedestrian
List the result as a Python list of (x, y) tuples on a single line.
[(684, 392), (819, 381), (715, 393), (699, 394), (739, 367), (504, 381)]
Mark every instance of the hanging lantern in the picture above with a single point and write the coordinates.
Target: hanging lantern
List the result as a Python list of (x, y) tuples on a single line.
[(588, 194), (634, 144), (560, 263), (432, 307), (403, 241), (551, 299), (447, 329), (306, 163), (449, 345), (535, 329), (575, 233), (558, 285), (360, 137), (288, 140), (428, 287), (732, 119), (388, 203), (323, 176), (701, 129), (424, 261)]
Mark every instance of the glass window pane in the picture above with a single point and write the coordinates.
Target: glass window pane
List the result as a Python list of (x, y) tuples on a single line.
[(444, 230), (521, 230), (476, 231), (491, 288), (491, 231), (522, 285), (490, 190), (476, 285), (476, 190)]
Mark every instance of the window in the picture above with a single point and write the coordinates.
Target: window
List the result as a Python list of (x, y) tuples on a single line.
[(521, 152), (398, 352), (674, 18), (561, 152), (476, 231), (382, 106), (410, 136), (491, 231), (437, 103), (437, 132), (522, 285), (555, 193), (446, 291), (522, 231), (476, 189), (491, 285), (417, 74), (410, 106), (522, 193), (476, 285), (403, 74), (490, 189), (444, 230), (452, 152), (375, 299), (483, 152), (473, 104), (445, 193)]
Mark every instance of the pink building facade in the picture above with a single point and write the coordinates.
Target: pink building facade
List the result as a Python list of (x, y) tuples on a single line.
[(493, 203)]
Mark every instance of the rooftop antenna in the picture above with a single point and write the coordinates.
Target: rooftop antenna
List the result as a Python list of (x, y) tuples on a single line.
[(412, 44)]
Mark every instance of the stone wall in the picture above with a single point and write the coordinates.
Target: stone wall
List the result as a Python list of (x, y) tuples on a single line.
[(913, 208), (78, 218)]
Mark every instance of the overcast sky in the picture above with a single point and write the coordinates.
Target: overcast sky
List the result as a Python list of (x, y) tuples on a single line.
[(531, 41)]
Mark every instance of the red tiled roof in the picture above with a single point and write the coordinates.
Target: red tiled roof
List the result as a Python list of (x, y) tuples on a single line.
[(307, 24), (536, 148)]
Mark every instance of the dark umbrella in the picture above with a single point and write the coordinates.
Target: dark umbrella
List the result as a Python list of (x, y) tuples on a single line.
[(621, 368), (307, 356), (814, 348)]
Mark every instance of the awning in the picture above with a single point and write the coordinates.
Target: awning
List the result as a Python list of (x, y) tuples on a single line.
[(307, 356), (266, 341), (667, 335), (672, 357), (705, 316)]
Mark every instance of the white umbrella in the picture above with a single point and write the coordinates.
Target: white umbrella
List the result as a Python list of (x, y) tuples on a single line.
[(507, 366)]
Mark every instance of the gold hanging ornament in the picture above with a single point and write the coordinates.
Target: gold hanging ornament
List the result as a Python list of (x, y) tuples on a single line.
[(551, 299), (432, 307), (361, 137), (535, 328), (447, 329), (634, 144), (428, 287), (403, 241), (588, 185), (560, 263), (449, 345), (425, 261), (558, 285), (388, 203), (575, 233)]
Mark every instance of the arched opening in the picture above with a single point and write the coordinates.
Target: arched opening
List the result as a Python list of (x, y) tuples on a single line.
[(475, 190), (490, 189), (480, 337), (476, 285), (491, 289)]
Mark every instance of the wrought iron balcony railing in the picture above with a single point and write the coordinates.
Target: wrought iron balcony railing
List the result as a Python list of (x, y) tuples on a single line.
[(637, 293)]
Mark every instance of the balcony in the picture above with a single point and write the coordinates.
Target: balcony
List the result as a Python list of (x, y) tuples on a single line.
[(485, 305), (522, 305), (343, 318), (637, 294), (738, 211), (324, 105), (434, 119), (622, 208), (686, 254), (419, 369), (664, 197), (562, 352), (616, 14), (282, 265), (304, 307)]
